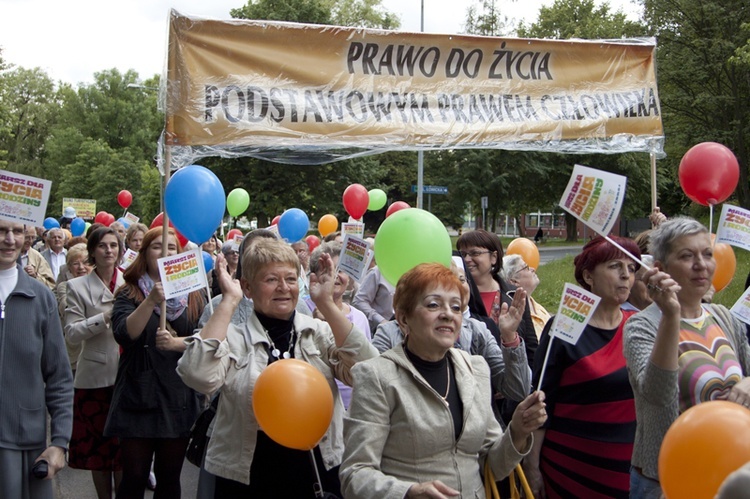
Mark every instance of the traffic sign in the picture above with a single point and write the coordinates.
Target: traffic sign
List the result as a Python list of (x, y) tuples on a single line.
[(431, 189)]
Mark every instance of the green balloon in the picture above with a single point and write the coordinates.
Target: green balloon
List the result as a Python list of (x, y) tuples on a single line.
[(237, 202), (377, 199), (410, 237), (86, 227)]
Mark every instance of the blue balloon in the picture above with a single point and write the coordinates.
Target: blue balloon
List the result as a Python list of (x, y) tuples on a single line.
[(77, 226), (124, 221), (51, 223), (194, 200), (293, 225), (208, 262)]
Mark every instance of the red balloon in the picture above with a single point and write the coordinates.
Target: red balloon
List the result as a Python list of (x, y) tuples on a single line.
[(394, 207), (109, 220), (312, 243), (124, 198), (275, 220), (101, 217), (356, 199), (709, 173), (232, 233), (159, 221)]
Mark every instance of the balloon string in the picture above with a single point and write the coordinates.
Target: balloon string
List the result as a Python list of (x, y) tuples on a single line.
[(711, 221), (317, 486), (208, 290)]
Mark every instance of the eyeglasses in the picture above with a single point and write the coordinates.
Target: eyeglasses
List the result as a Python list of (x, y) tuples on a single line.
[(473, 253), (233, 253)]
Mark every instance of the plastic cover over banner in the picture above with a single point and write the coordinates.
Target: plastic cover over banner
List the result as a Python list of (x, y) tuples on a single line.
[(311, 94)]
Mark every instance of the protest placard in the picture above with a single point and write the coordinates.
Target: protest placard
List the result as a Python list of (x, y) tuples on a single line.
[(741, 309), (355, 257), (354, 228), (594, 197), (734, 227), (182, 274), (576, 308), (85, 208), (23, 199), (131, 218), (128, 258)]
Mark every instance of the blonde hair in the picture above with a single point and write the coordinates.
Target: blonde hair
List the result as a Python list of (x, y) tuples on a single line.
[(264, 252)]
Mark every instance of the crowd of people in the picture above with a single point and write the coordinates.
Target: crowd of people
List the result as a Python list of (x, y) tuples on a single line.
[(433, 379)]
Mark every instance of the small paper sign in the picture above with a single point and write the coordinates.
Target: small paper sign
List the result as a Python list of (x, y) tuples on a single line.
[(275, 230), (576, 308), (354, 228), (741, 309), (734, 227), (128, 258), (594, 197), (85, 208), (182, 274), (355, 257), (23, 199), (131, 218), (236, 241)]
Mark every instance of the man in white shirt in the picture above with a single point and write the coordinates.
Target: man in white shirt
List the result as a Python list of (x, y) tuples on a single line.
[(55, 253)]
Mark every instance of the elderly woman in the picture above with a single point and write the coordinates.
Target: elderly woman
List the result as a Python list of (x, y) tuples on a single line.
[(152, 410), (88, 322), (509, 370), (482, 252), (585, 448), (230, 357), (676, 337), (421, 423), (134, 236), (517, 272)]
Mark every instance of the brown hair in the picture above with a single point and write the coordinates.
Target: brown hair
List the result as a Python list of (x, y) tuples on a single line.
[(139, 267), (418, 280), (96, 237), (487, 240), (265, 251)]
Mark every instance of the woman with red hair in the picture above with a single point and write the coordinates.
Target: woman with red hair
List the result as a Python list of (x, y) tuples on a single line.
[(152, 410), (585, 447)]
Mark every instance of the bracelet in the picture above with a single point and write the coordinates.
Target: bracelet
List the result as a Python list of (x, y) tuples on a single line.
[(513, 343)]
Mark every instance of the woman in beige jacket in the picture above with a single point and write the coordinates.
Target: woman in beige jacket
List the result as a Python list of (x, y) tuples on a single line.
[(88, 315), (420, 423)]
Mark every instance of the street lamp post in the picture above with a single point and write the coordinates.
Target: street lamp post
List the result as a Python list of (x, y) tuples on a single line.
[(420, 153)]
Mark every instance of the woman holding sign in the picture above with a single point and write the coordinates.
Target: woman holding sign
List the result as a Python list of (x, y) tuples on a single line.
[(676, 337), (421, 422), (152, 410), (584, 449)]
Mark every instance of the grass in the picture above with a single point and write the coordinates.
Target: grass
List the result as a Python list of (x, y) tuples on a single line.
[(553, 276)]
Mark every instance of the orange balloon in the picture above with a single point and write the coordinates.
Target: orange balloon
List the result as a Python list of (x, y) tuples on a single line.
[(526, 250), (702, 447), (293, 403), (726, 264), (327, 224)]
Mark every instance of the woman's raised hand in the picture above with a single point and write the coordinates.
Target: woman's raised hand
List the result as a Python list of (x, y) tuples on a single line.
[(321, 282), (510, 316), (230, 287), (157, 293), (663, 290)]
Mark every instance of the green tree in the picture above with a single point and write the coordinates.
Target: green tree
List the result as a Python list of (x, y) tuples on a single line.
[(704, 83), (580, 19), (28, 110), (484, 17)]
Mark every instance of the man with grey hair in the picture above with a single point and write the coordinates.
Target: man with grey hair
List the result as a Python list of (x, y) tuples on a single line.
[(35, 378), (55, 254)]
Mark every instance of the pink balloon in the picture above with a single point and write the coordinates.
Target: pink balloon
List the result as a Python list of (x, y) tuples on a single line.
[(356, 199), (709, 173)]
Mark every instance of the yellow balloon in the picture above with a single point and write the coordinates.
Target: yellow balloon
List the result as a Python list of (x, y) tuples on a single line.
[(327, 224)]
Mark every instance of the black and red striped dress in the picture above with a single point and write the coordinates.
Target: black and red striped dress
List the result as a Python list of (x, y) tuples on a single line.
[(591, 427)]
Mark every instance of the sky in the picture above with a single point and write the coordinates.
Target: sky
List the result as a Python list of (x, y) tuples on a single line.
[(71, 40)]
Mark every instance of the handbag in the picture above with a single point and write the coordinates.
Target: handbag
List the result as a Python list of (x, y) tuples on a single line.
[(490, 487), (199, 438)]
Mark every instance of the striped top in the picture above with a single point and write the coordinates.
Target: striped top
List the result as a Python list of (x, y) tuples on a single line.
[(591, 427), (707, 366)]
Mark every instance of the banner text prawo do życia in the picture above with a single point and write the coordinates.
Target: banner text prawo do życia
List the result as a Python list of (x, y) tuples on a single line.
[(252, 103)]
